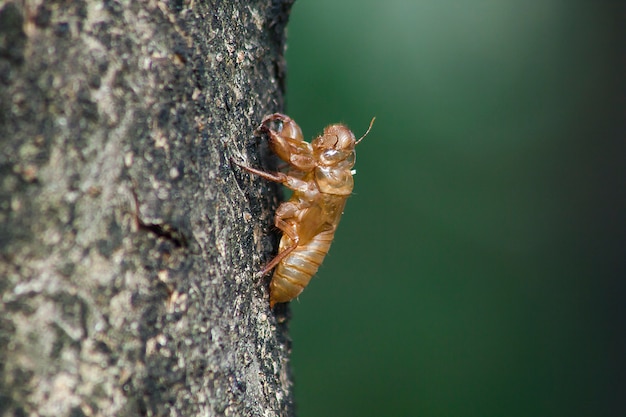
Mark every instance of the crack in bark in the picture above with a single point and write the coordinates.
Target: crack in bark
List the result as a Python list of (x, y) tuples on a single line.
[(165, 231)]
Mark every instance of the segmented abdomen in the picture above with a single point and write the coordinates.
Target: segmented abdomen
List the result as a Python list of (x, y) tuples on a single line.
[(296, 270)]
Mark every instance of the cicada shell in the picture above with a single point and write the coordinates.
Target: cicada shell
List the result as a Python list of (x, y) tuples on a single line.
[(320, 175)]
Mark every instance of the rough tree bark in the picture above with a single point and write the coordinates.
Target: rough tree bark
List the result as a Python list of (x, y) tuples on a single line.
[(128, 241)]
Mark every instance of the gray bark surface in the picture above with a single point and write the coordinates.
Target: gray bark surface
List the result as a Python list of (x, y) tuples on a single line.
[(128, 240)]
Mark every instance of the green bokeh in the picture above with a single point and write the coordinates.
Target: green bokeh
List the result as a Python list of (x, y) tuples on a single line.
[(478, 268)]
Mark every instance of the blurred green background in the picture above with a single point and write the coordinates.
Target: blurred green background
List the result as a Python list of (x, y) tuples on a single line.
[(478, 269)]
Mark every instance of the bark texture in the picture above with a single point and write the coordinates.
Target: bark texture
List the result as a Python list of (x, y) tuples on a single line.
[(128, 241)]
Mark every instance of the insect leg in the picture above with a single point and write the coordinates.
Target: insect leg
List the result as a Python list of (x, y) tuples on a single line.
[(277, 259), (285, 211), (278, 177), (288, 181)]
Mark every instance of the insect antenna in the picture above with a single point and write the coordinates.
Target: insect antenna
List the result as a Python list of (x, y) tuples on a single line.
[(365, 134)]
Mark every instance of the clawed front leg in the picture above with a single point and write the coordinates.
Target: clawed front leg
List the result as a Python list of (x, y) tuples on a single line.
[(288, 143), (289, 129)]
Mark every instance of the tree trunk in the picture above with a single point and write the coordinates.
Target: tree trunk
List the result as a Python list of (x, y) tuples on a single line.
[(128, 240)]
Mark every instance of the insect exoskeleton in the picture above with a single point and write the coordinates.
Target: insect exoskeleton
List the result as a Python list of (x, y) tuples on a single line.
[(320, 175)]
